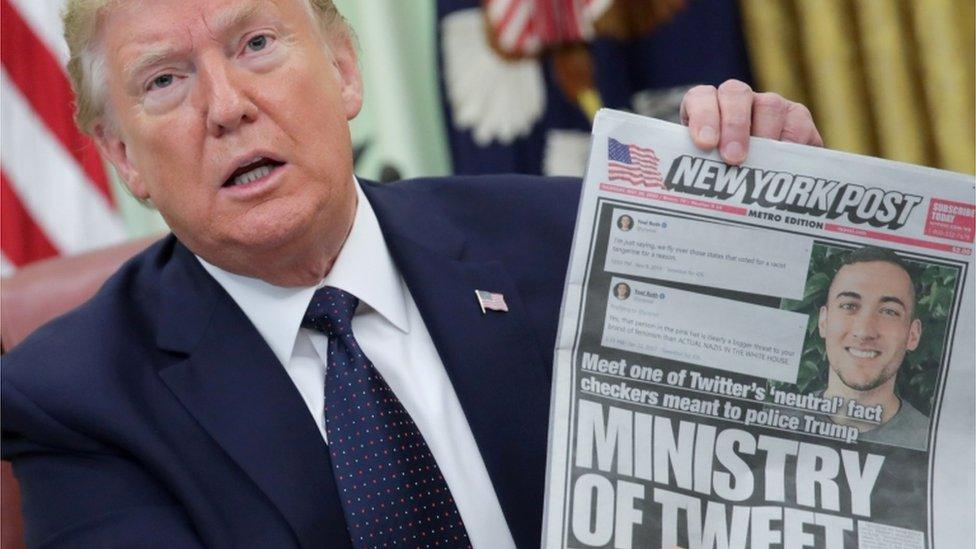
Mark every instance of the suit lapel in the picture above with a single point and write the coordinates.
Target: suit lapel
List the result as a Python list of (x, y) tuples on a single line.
[(232, 383), (492, 359), (234, 386)]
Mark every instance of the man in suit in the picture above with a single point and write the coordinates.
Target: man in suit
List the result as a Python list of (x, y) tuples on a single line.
[(184, 404)]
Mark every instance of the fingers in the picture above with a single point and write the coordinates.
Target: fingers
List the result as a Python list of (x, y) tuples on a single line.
[(725, 117), (735, 108), (798, 126), (768, 115), (700, 111)]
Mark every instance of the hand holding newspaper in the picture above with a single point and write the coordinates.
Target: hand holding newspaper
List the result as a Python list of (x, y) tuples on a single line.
[(773, 354)]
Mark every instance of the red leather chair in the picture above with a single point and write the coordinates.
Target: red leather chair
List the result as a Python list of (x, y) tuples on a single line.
[(30, 297)]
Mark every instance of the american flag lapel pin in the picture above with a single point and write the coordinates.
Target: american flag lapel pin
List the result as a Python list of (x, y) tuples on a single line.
[(491, 301)]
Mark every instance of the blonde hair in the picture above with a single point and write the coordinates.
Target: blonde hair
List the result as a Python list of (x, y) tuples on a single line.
[(86, 65)]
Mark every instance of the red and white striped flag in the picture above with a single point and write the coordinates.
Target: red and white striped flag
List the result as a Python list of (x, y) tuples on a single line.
[(525, 27), (633, 164), (55, 197), (491, 301)]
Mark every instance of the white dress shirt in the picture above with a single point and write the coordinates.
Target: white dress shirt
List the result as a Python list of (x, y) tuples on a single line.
[(390, 331)]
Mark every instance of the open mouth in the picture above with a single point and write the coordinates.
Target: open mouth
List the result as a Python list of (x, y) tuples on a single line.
[(252, 171), (862, 353)]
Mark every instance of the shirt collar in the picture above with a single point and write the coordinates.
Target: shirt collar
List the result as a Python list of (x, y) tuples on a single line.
[(363, 268)]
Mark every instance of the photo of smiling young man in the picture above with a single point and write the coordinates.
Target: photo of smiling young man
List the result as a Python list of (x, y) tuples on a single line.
[(869, 324)]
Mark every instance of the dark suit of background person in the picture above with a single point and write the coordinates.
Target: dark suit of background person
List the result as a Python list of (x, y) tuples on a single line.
[(155, 415)]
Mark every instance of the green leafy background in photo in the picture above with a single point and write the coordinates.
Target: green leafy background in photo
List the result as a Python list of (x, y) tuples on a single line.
[(935, 287)]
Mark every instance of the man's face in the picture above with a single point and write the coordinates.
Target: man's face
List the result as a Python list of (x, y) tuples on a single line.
[(867, 324), (232, 118)]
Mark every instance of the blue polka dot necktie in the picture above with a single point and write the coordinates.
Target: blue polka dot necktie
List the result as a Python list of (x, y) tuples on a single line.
[(392, 491)]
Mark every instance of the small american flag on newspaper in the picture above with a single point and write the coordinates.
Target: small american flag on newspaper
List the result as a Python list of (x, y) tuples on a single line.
[(633, 164), (491, 301)]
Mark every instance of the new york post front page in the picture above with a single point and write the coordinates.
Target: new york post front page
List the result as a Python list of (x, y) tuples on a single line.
[(778, 354)]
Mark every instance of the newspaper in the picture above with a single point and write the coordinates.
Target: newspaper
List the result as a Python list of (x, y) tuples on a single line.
[(778, 354)]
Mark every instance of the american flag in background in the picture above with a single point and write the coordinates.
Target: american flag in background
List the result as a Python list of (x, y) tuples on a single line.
[(55, 197), (633, 164), (525, 27)]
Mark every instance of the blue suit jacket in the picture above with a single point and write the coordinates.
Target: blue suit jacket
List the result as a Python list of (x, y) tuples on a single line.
[(155, 414)]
